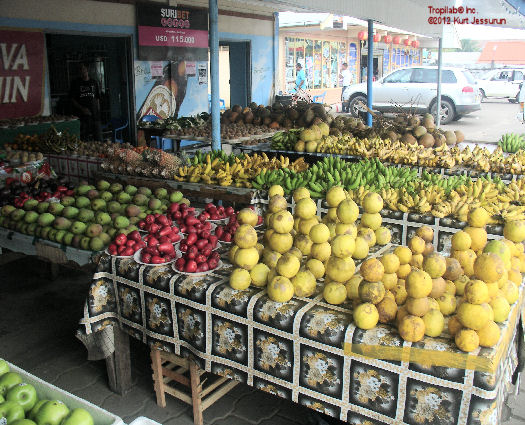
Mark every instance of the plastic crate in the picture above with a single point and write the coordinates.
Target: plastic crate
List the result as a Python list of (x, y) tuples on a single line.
[(48, 391), (142, 420)]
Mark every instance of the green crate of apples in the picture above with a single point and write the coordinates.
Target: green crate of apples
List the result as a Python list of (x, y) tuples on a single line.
[(28, 400)]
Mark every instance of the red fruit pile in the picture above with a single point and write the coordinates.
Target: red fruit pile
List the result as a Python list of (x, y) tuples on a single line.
[(198, 253), (225, 233), (157, 252), (126, 246), (161, 227), (212, 212)]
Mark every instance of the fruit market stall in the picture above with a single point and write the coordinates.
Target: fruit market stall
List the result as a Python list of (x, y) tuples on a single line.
[(9, 132), (330, 315)]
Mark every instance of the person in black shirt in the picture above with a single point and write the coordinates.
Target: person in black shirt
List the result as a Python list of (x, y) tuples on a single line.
[(85, 97)]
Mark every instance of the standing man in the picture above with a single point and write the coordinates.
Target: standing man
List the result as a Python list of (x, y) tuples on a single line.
[(346, 76), (300, 78), (85, 97)]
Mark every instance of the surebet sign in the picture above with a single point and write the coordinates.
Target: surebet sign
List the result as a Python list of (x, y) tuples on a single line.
[(21, 73), (172, 33)]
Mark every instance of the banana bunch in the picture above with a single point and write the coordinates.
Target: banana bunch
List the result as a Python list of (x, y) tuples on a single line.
[(514, 192), (397, 152), (285, 140), (511, 142), (287, 178), (230, 170)]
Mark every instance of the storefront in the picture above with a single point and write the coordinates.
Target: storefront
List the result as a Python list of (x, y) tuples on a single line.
[(322, 51), (131, 88)]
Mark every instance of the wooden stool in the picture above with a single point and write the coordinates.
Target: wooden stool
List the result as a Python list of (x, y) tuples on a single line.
[(169, 367)]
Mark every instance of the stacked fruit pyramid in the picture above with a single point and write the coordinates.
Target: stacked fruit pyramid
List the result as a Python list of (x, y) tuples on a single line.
[(463, 294)]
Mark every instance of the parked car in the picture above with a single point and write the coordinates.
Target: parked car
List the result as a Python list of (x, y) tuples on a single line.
[(501, 83), (415, 89)]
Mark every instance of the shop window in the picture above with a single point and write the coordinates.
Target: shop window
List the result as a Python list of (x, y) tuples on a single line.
[(309, 63), (289, 63), (321, 61), (318, 47)]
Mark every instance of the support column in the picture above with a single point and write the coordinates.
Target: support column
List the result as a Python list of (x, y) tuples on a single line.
[(276, 53), (438, 101), (214, 75), (370, 70)]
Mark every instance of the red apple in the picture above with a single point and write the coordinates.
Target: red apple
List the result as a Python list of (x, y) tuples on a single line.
[(192, 238), (146, 258), (180, 263), (157, 260), (213, 263), (190, 267), (153, 241), (202, 267), (128, 251), (135, 235), (192, 252), (201, 243)]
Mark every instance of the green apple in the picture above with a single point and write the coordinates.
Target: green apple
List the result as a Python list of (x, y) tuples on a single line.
[(78, 417), (24, 394), (9, 380), (4, 367), (11, 411), (23, 422), (51, 413), (35, 409)]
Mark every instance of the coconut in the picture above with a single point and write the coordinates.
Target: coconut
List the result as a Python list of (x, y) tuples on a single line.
[(459, 136), (414, 121), (428, 122), (427, 140), (392, 135), (450, 137), (409, 139), (419, 131)]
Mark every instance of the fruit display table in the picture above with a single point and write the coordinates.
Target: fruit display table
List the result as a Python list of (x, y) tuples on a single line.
[(26, 172), (304, 350), (312, 157), (75, 167), (192, 191), (9, 134), (52, 251)]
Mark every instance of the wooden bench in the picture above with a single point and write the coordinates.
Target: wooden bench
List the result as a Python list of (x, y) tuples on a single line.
[(170, 368)]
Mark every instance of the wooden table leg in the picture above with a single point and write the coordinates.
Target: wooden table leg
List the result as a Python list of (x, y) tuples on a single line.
[(119, 363), (196, 393), (156, 364)]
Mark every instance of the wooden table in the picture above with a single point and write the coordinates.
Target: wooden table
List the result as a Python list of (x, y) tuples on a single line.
[(305, 350)]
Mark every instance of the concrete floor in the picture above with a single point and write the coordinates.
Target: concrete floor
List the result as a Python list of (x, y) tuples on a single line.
[(38, 322), (496, 116)]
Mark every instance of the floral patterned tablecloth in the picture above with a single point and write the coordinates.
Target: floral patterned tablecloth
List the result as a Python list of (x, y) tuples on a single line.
[(304, 350)]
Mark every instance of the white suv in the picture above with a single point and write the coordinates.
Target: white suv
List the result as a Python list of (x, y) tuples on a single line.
[(501, 83), (414, 89)]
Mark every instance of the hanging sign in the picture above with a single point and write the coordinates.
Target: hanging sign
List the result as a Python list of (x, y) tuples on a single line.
[(172, 33), (21, 73)]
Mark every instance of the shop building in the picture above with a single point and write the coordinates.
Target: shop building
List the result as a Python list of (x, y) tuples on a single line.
[(104, 35), (321, 43)]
